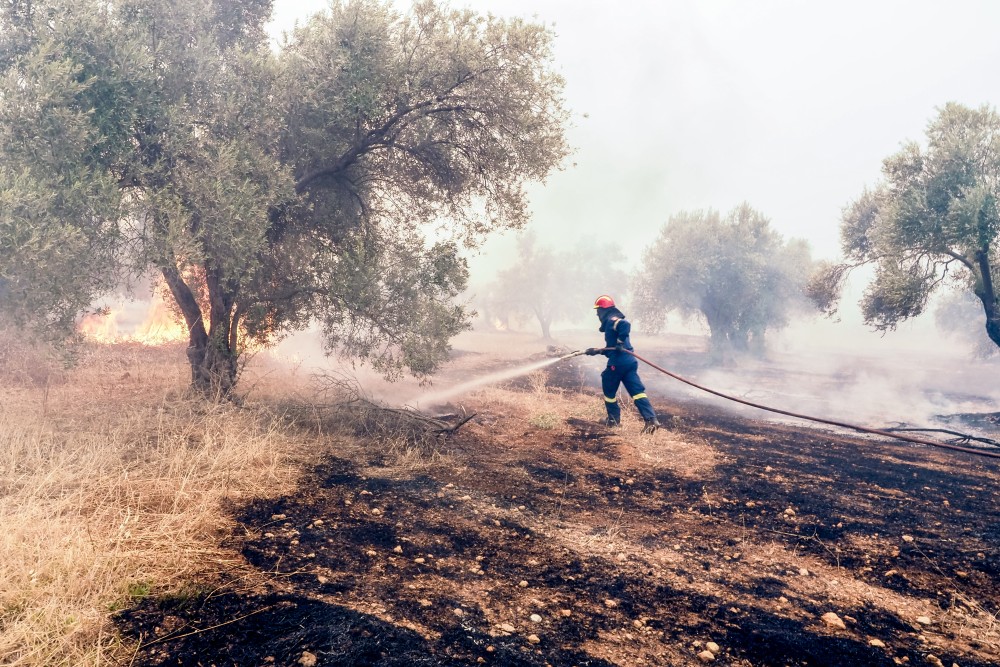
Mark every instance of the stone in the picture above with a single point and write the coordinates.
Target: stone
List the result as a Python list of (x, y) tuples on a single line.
[(507, 627), (533, 639), (907, 538), (803, 572), (458, 612), (307, 659), (877, 643), (706, 656), (833, 620), (713, 647), (522, 583), (924, 620), (535, 618), (610, 604)]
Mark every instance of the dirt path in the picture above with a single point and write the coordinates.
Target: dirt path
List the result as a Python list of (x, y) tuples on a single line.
[(530, 543)]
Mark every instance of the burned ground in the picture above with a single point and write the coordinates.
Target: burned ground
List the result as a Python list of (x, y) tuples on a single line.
[(569, 544)]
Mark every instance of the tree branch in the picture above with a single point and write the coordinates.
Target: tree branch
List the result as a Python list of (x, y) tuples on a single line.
[(378, 135), (186, 302)]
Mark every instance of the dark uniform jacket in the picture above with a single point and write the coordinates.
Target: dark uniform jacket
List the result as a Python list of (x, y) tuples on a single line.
[(616, 330)]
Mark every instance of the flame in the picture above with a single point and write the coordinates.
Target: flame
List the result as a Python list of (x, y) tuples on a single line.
[(158, 326), (101, 327)]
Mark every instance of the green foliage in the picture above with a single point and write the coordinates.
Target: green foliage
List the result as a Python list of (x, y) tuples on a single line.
[(138, 589), (336, 180), (736, 273), (545, 421), (932, 221), (553, 284)]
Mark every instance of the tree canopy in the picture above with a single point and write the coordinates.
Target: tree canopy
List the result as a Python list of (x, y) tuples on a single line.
[(551, 284), (336, 180), (932, 221), (736, 272)]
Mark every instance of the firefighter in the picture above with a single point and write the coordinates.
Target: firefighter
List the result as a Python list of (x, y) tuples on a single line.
[(622, 367)]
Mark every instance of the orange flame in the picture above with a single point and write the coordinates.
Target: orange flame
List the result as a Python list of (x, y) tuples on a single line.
[(159, 326), (101, 327)]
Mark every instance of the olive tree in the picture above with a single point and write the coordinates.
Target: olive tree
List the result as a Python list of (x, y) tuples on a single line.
[(551, 284), (336, 180), (933, 221), (736, 273)]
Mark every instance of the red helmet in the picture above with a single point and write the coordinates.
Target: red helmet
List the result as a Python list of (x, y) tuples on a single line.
[(604, 301)]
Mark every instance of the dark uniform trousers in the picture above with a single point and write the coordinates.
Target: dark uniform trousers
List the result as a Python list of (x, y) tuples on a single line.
[(628, 375)]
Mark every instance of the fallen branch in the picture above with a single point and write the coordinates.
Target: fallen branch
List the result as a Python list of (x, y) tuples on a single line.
[(435, 425)]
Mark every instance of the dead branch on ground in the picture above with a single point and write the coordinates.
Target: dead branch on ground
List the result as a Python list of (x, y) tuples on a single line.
[(345, 405)]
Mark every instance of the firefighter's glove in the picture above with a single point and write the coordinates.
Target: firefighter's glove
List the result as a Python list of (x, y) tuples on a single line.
[(591, 351)]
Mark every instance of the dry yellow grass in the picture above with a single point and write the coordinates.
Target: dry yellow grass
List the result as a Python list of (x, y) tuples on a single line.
[(112, 486)]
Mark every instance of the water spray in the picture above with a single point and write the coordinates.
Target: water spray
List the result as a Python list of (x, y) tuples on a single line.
[(493, 378)]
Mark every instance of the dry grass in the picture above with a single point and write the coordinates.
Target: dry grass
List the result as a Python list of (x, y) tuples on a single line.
[(26, 363), (112, 486)]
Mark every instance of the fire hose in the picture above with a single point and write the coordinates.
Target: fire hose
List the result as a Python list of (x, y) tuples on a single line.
[(820, 420)]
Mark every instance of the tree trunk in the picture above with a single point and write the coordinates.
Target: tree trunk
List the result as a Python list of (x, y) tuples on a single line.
[(546, 325), (720, 345), (740, 340), (989, 296), (993, 330), (213, 367), (211, 353)]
